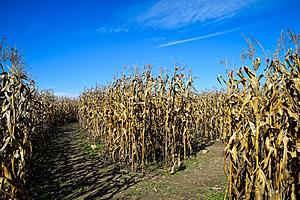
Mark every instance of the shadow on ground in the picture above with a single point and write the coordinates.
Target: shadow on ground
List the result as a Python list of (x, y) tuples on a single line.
[(202, 178), (64, 169)]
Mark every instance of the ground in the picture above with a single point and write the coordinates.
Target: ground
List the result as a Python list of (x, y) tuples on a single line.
[(68, 168)]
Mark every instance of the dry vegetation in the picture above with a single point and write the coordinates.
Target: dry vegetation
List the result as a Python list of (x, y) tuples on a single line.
[(262, 128), (26, 116), (144, 119)]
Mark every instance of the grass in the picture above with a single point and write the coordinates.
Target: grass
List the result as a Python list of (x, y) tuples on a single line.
[(213, 195), (136, 193), (209, 194), (86, 146)]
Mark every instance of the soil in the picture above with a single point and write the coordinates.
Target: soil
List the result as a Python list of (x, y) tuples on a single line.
[(66, 167)]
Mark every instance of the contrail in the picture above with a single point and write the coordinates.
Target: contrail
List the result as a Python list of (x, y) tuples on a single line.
[(197, 38)]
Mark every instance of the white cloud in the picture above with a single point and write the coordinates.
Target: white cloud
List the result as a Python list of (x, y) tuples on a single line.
[(171, 14), (197, 38), (105, 30)]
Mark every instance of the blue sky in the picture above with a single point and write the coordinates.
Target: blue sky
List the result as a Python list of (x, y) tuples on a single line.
[(70, 45)]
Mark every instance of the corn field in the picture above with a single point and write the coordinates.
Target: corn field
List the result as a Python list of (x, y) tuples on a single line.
[(141, 118), (144, 119), (209, 114), (25, 115), (262, 130)]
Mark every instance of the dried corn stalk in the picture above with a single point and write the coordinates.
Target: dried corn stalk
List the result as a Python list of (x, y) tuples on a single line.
[(144, 119), (262, 130), (24, 115)]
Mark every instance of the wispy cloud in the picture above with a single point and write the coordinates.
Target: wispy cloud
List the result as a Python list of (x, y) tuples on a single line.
[(105, 30), (198, 38), (171, 14), (156, 39)]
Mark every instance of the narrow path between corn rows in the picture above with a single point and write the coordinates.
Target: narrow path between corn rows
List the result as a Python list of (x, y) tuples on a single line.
[(67, 168)]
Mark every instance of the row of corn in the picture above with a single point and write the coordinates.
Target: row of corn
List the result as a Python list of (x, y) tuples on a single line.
[(25, 117), (262, 129), (142, 118)]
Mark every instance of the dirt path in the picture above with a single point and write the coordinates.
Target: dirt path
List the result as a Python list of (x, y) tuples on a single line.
[(203, 178), (69, 169)]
